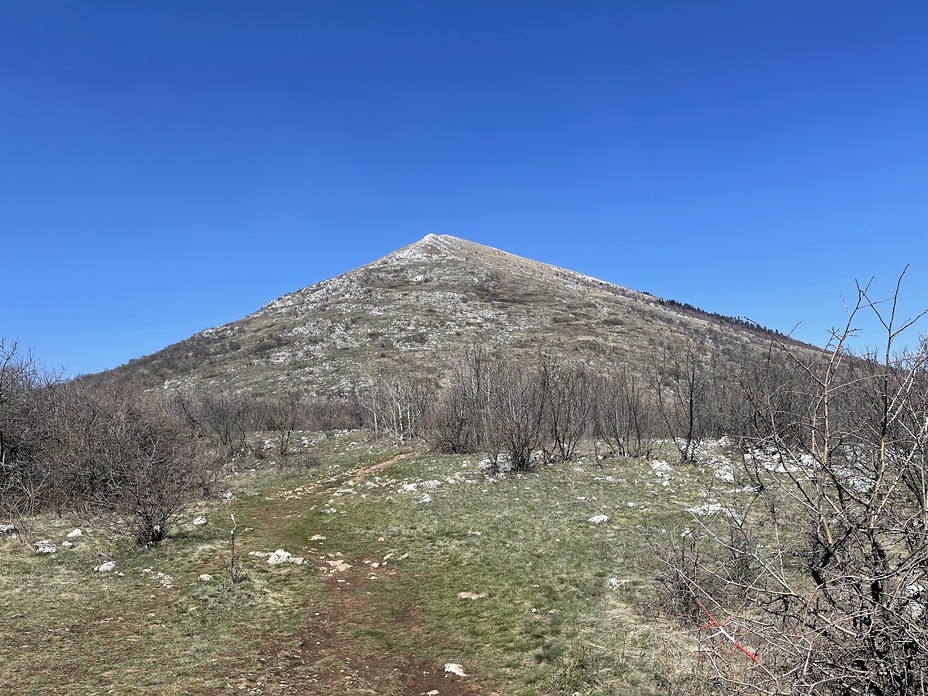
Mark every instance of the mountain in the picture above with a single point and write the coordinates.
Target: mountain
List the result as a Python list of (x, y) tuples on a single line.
[(414, 309)]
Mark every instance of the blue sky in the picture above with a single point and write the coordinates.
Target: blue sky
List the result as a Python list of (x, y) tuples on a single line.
[(170, 166)]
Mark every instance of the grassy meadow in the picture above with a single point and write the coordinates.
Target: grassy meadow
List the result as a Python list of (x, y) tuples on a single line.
[(412, 561)]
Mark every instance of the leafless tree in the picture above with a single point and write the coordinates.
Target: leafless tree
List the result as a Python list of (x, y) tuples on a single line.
[(517, 402), (397, 406), (331, 413), (683, 381), (282, 414), (833, 599), (132, 456), (625, 416), (569, 404), (154, 466), (228, 416), (457, 422)]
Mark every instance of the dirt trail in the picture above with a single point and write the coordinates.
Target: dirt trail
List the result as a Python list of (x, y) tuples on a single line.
[(331, 653), (357, 475), (326, 658), (375, 468)]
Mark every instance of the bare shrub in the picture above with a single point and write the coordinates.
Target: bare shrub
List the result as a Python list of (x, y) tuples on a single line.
[(329, 414), (834, 601), (282, 415), (130, 455), (226, 415), (24, 391)]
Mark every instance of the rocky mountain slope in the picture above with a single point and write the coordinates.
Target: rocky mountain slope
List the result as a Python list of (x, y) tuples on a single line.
[(415, 309)]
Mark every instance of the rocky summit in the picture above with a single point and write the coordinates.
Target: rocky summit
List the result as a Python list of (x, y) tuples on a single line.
[(414, 310)]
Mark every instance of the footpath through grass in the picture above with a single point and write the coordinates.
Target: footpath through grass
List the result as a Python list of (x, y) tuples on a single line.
[(412, 561)]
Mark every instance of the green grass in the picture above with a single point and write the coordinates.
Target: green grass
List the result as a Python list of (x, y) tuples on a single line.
[(549, 623)]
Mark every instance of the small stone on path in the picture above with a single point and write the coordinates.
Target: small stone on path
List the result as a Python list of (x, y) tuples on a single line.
[(338, 566)]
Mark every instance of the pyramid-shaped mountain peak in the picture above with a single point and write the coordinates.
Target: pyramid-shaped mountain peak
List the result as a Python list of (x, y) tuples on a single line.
[(414, 310)]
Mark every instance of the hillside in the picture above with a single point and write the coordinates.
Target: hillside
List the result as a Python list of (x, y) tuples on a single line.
[(412, 309)]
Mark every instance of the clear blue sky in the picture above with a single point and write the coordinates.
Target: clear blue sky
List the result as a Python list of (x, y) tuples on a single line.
[(174, 165)]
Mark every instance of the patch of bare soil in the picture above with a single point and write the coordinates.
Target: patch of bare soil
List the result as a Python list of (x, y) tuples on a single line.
[(325, 658)]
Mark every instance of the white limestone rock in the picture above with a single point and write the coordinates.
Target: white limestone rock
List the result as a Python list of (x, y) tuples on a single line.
[(281, 556), (45, 546)]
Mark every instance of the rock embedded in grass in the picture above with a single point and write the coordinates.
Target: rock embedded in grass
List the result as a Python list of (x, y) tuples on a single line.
[(471, 595), (45, 546), (281, 556)]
